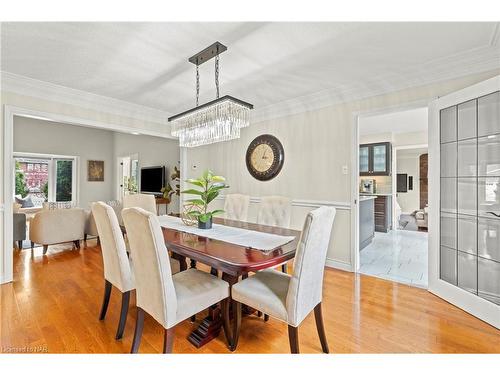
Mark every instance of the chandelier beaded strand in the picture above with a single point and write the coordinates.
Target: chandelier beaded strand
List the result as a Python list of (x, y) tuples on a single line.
[(216, 121)]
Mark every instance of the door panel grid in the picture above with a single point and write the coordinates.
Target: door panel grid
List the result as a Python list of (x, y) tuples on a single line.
[(470, 196)]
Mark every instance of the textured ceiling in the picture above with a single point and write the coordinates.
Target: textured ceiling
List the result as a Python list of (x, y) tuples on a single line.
[(266, 63)]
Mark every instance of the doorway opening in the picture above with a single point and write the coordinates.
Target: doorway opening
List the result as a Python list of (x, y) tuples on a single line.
[(393, 196), (128, 175)]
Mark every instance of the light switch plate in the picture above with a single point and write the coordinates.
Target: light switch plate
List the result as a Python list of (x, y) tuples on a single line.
[(345, 170)]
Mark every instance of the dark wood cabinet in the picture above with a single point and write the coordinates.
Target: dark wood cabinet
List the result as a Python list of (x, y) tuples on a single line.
[(383, 213), (375, 159)]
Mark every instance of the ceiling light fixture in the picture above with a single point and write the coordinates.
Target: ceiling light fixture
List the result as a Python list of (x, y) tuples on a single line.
[(216, 121)]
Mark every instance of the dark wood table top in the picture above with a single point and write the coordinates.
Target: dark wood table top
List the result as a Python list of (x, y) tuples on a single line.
[(227, 257)]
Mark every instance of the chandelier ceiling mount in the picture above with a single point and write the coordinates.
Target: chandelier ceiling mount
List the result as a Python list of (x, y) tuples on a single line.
[(215, 121)]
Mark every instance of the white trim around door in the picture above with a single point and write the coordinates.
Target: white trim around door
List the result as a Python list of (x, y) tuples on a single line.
[(355, 169), (6, 260), (473, 304)]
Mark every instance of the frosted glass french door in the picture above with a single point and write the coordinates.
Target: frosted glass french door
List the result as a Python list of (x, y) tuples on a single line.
[(464, 237)]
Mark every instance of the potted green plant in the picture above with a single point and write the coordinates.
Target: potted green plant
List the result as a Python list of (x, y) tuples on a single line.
[(210, 185)]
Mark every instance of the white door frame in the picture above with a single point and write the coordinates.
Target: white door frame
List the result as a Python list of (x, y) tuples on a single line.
[(6, 260), (355, 168), (475, 305)]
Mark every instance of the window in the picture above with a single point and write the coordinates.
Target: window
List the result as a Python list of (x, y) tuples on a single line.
[(46, 178)]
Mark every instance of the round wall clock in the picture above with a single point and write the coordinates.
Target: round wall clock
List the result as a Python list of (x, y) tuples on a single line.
[(265, 157)]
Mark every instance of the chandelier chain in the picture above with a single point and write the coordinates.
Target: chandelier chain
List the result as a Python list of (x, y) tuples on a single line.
[(217, 75), (197, 86)]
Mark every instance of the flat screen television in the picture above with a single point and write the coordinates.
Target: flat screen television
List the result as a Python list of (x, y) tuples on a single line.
[(152, 179)]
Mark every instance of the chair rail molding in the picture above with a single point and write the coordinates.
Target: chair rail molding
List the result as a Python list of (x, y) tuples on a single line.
[(304, 203)]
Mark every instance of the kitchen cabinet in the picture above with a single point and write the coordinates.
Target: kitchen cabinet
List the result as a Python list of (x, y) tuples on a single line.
[(383, 213), (375, 159)]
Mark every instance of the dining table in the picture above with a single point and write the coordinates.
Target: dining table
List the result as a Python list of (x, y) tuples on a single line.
[(226, 260)]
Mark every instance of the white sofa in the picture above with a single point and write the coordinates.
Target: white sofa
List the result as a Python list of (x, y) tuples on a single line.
[(49, 227), (90, 225)]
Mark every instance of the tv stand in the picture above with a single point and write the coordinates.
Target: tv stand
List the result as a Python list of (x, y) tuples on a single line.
[(159, 201)]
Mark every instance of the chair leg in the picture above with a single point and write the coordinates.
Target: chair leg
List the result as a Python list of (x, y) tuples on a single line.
[(168, 340), (293, 337), (236, 324), (123, 315), (266, 317), (139, 325), (45, 248), (20, 244), (105, 301), (318, 315), (259, 313), (77, 243), (284, 268), (193, 318), (225, 316), (85, 237), (32, 245)]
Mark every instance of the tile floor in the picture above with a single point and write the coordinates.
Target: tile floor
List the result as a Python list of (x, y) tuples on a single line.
[(399, 255)]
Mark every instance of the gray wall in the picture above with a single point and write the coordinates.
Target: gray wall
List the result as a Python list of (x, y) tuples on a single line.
[(152, 151), (45, 137)]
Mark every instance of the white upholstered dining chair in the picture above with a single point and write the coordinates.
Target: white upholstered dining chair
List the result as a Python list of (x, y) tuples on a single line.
[(236, 206), (167, 298), (144, 201), (117, 269), (290, 298), (275, 211)]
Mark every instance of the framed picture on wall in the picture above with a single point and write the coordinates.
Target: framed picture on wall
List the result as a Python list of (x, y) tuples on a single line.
[(401, 183), (95, 170)]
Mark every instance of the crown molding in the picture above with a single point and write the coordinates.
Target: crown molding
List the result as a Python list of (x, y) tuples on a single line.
[(474, 61), (23, 85), (470, 62)]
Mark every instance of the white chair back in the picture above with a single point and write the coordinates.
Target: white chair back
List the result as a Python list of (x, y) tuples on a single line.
[(306, 285), (236, 206), (114, 253), (155, 292), (144, 201), (275, 211)]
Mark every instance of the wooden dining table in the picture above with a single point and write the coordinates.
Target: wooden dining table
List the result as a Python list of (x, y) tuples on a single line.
[(229, 260)]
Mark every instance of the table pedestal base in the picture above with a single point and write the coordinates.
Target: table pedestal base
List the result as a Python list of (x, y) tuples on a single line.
[(208, 329)]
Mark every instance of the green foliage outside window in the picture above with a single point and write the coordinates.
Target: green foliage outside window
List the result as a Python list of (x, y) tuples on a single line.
[(21, 187)]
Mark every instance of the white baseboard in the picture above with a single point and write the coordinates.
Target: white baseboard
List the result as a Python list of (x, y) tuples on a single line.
[(339, 265)]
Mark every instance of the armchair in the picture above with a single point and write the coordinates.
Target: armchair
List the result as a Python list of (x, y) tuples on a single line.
[(19, 224)]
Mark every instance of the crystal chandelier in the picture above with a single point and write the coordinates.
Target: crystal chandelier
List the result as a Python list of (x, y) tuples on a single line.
[(216, 121)]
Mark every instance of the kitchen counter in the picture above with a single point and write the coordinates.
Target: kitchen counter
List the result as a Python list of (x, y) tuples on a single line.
[(375, 194), (366, 220), (366, 197)]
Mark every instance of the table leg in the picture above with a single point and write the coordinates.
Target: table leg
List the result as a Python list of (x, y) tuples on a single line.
[(210, 327), (182, 261)]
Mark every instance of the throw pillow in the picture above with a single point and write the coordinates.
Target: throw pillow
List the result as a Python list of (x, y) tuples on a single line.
[(57, 205)]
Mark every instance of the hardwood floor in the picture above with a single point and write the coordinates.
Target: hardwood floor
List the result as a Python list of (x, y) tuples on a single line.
[(54, 302)]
